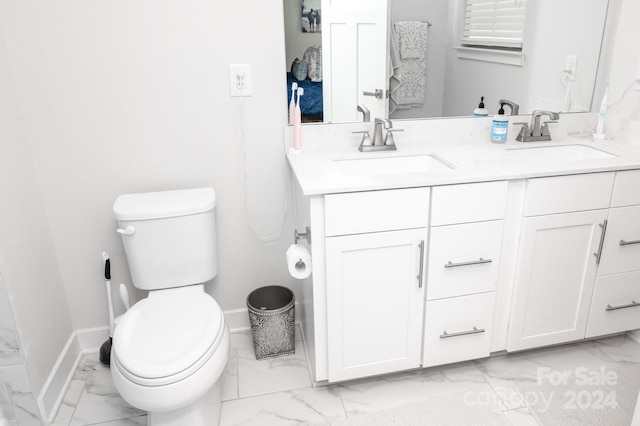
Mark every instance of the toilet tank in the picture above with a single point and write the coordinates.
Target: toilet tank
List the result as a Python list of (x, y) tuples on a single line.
[(169, 237)]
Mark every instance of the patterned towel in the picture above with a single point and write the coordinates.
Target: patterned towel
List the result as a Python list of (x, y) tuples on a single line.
[(412, 40)]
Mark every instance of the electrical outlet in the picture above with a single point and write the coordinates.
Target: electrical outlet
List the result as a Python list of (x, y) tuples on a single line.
[(240, 79), (570, 66)]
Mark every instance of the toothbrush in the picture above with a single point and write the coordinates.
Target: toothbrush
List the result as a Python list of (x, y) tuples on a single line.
[(599, 134), (292, 104), (297, 145)]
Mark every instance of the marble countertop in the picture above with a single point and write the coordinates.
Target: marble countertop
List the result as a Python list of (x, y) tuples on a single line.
[(319, 169)]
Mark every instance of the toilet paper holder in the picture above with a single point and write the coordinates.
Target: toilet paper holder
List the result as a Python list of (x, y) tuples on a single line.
[(306, 235)]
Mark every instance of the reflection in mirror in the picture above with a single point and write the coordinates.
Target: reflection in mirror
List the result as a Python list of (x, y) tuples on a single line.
[(555, 32)]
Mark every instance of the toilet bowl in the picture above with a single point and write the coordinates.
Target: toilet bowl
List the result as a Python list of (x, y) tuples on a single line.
[(170, 348)]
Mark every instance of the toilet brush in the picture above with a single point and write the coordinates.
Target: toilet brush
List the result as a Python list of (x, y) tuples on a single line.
[(105, 349)]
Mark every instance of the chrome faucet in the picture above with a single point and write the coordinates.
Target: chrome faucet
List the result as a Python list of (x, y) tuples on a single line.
[(377, 130), (377, 143), (366, 115), (515, 108), (535, 132)]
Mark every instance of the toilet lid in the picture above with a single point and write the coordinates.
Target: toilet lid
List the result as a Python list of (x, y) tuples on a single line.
[(166, 334)]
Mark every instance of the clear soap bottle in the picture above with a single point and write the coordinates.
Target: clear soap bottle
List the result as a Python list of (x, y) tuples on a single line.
[(499, 127)]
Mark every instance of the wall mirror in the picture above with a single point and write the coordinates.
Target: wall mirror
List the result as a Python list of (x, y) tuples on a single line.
[(555, 33)]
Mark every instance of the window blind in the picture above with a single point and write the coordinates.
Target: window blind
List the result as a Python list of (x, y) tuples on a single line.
[(494, 23)]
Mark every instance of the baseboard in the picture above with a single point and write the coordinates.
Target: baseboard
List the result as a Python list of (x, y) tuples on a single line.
[(237, 320), (54, 389), (91, 339)]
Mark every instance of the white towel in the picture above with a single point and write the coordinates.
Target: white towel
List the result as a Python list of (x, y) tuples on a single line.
[(412, 48), (394, 63)]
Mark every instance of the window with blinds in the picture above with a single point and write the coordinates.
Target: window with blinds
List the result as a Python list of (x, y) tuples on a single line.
[(494, 24)]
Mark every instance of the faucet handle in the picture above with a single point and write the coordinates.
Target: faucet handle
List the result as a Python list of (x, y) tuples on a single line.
[(524, 131), (388, 139), (545, 127), (366, 139)]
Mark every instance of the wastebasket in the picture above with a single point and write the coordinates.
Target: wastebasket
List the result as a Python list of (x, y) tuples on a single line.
[(272, 317)]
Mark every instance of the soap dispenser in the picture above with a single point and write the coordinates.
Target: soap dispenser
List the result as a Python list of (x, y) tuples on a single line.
[(481, 111), (499, 126)]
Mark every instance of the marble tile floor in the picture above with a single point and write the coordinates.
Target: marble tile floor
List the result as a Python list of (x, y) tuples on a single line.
[(278, 391)]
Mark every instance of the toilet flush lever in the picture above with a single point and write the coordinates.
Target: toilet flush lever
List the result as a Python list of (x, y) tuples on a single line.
[(129, 230)]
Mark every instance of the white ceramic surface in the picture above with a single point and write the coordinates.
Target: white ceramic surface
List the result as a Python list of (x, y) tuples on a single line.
[(459, 142)]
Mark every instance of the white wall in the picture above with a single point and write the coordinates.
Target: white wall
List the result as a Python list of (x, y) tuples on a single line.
[(28, 263), (554, 30), (128, 96), (622, 67)]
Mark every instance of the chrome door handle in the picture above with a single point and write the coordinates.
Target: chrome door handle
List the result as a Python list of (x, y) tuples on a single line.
[(628, 243), (475, 330), (480, 261), (377, 93), (598, 255), (633, 304), (421, 272)]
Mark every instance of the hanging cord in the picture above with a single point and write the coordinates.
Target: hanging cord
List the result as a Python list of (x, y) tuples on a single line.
[(626, 92), (276, 236), (568, 97)]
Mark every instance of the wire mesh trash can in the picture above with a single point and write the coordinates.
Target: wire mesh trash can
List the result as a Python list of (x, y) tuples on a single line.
[(272, 316)]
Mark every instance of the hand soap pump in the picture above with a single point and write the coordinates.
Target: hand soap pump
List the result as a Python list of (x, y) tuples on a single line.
[(499, 126), (481, 111)]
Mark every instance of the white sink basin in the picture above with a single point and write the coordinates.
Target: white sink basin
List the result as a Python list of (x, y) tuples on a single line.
[(558, 153), (384, 165)]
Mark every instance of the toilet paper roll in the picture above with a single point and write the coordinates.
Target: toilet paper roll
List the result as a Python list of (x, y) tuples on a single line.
[(299, 261)]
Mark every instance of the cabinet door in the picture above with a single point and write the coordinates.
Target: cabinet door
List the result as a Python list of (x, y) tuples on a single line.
[(458, 328), (616, 304), (621, 250), (463, 259), (375, 302), (555, 278)]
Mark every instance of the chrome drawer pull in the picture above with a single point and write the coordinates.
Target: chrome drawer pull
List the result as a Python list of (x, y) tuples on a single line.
[(421, 273), (628, 243), (475, 330), (598, 255), (633, 304), (450, 264)]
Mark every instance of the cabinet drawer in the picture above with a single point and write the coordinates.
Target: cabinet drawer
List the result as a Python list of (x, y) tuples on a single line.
[(375, 211), (563, 194), (458, 329), (621, 249), (463, 259), (472, 202), (626, 190), (613, 307)]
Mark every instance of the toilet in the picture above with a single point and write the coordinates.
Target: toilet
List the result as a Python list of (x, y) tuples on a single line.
[(170, 349)]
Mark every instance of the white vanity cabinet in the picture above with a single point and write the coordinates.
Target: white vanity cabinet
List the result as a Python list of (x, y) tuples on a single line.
[(616, 299), (464, 257), (375, 249), (560, 245)]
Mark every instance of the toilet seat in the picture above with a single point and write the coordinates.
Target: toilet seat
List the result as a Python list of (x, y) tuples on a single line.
[(167, 337)]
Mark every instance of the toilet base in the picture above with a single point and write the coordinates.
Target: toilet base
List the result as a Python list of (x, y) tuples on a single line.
[(203, 412)]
